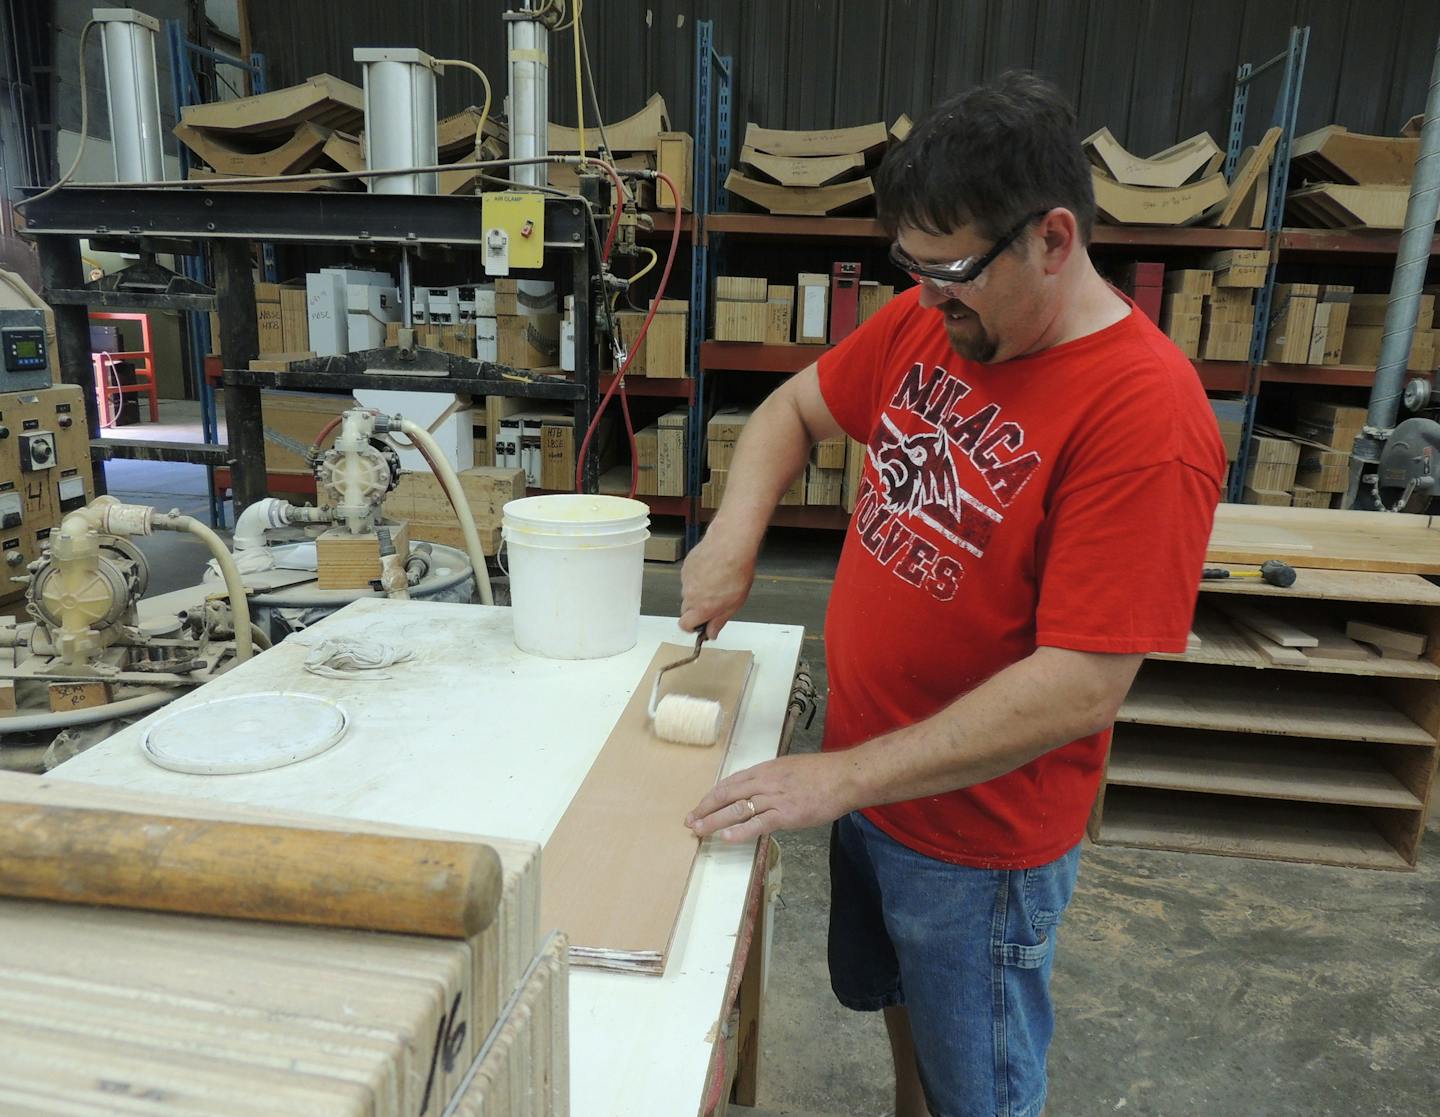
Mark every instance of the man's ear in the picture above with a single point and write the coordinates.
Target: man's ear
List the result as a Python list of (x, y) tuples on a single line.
[(1059, 237)]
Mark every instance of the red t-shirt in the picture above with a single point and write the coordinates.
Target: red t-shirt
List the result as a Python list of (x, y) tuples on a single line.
[(1061, 499)]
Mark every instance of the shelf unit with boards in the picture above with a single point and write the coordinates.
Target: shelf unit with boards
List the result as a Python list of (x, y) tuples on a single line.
[(1296, 743)]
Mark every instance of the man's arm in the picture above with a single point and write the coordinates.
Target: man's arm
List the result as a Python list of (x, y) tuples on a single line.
[(773, 449), (1048, 699)]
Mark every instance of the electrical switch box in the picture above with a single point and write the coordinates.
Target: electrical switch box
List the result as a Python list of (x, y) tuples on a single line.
[(24, 352), (514, 224)]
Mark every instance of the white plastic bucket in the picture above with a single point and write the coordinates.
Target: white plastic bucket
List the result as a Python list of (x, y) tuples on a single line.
[(576, 565)]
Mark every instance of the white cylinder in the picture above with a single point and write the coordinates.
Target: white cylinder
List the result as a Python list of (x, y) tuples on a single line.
[(576, 566), (529, 99), (133, 93), (400, 117)]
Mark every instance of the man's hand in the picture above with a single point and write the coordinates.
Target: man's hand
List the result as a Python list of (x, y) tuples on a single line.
[(715, 581), (788, 793)]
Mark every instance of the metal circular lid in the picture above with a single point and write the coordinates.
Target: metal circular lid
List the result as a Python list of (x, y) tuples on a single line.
[(245, 733)]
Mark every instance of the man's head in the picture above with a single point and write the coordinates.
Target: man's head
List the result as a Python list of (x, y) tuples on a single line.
[(1000, 161)]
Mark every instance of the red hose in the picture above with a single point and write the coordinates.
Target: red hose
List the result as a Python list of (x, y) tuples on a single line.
[(619, 381), (619, 208)]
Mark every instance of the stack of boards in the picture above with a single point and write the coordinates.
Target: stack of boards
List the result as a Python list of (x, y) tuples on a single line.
[(1182, 185), (811, 174), (313, 127), (640, 142), (1351, 181), (109, 1010)]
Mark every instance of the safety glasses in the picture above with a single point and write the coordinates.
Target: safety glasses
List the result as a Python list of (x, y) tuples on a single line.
[(954, 279)]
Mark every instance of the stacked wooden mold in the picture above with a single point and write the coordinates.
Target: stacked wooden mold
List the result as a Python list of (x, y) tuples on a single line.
[(1182, 185), (640, 142), (180, 1013), (811, 174), (467, 137), (1346, 180), (313, 126)]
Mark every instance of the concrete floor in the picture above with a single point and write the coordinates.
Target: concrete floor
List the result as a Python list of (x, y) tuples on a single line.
[(1185, 984)]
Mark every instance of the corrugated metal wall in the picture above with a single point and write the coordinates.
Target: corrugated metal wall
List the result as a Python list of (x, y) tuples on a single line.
[(1153, 70)]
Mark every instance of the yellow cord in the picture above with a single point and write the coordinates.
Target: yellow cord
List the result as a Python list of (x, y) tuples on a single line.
[(579, 6), (484, 112), (654, 259)]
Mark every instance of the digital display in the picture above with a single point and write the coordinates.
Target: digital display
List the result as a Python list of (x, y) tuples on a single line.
[(25, 349)]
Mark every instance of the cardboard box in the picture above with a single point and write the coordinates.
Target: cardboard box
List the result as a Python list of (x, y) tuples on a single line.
[(779, 311), (1325, 471), (740, 321), (1292, 322), (741, 288), (812, 311)]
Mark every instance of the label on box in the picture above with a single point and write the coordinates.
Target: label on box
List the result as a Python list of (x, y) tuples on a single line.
[(812, 322)]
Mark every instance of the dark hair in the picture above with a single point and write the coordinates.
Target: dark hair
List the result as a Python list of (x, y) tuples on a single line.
[(987, 157)]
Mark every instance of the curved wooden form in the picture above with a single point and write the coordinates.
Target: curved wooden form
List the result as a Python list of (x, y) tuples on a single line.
[(802, 201), (863, 139), (634, 133), (819, 170), (1170, 168)]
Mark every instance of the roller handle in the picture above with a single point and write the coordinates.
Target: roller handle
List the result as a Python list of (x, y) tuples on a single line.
[(241, 870)]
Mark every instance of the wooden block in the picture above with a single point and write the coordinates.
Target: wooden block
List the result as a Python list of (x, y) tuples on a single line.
[(1320, 333), (665, 545), (1269, 625), (7, 697), (726, 424), (557, 455), (829, 454), (1140, 205), (666, 352), (873, 295), (779, 311), (628, 323), (295, 417), (794, 496), (1361, 346), (1387, 639), (1189, 281), (75, 696), (800, 201), (740, 288), (1302, 497), (1369, 310), (718, 454), (528, 341), (1277, 654), (1292, 321), (1169, 168), (675, 156), (1271, 497), (345, 561), (862, 139), (1239, 267), (1325, 471), (670, 461), (812, 311), (294, 319), (823, 487), (1335, 645), (741, 321)]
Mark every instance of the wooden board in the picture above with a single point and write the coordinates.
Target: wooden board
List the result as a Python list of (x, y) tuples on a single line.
[(1142, 205), (1275, 655), (1183, 696), (1317, 833), (455, 134), (1170, 168), (1266, 769), (800, 201), (1334, 154), (1331, 585), (347, 561), (819, 170), (1269, 625), (639, 132), (1242, 188), (345, 151), (322, 99), (617, 866), (228, 156), (1386, 638), (1381, 542), (236, 1017), (862, 139), (1334, 206)]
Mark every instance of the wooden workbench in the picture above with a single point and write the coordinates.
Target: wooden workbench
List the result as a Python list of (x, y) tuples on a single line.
[(476, 736)]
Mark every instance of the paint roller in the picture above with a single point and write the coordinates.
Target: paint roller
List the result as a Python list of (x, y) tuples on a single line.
[(684, 718)]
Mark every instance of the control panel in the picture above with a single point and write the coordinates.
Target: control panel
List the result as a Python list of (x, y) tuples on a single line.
[(37, 450), (24, 352)]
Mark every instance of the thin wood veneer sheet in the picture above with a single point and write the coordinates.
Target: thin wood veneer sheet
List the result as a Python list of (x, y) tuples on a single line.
[(616, 869)]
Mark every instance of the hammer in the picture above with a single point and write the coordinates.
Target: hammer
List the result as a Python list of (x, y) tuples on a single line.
[(1277, 573)]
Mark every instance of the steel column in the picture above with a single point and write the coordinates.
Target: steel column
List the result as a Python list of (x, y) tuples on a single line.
[(239, 345), (61, 269)]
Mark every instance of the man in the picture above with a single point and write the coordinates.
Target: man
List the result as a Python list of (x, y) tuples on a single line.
[(1041, 477)]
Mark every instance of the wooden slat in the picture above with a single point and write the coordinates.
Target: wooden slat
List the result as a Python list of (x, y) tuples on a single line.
[(1272, 627), (1188, 697), (1379, 542), (1332, 585), (1251, 167), (1265, 768), (617, 865), (1318, 833)]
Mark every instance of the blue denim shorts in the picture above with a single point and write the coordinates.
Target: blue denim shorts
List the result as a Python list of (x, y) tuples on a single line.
[(967, 951)]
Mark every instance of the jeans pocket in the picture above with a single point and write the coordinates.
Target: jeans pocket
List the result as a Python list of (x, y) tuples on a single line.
[(1020, 940)]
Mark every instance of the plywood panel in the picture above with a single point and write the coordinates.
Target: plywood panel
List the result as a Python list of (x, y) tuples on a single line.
[(617, 866), (1381, 542)]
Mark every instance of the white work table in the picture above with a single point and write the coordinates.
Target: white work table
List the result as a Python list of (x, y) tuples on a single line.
[(475, 736)]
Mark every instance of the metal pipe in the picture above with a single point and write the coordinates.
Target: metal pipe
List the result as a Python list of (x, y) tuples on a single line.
[(234, 584), (407, 290), (1410, 263), (126, 707), (529, 42), (133, 92), (445, 474)]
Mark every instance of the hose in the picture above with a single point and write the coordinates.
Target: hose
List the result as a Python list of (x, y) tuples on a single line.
[(485, 111), (261, 639), (36, 723), (440, 466), (84, 126), (234, 584)]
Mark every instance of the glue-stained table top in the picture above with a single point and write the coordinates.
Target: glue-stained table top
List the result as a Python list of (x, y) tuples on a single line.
[(475, 736)]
